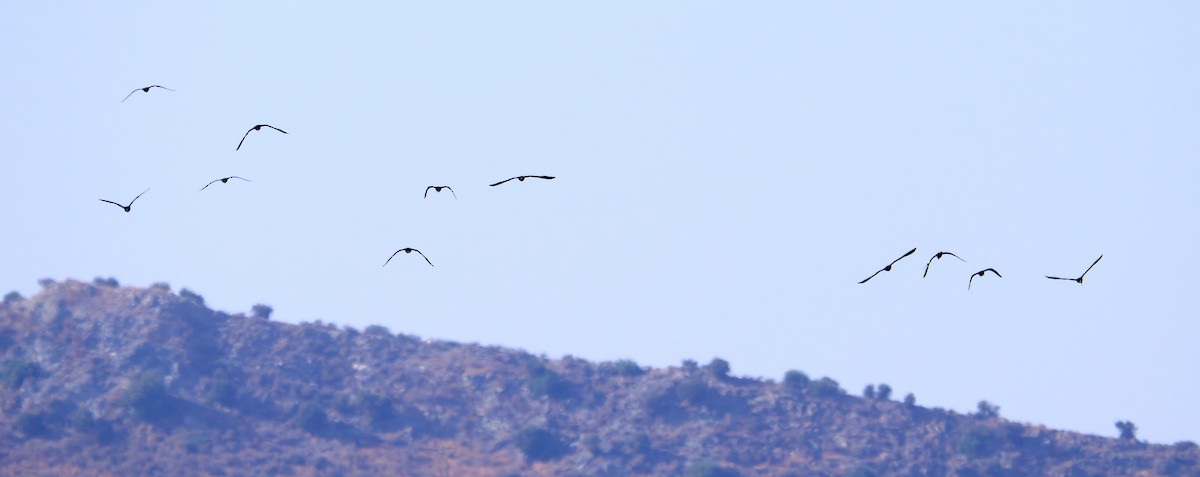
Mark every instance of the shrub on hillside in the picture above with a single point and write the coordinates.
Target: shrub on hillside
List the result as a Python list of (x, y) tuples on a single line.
[(106, 282), (910, 400), (795, 379), (262, 311), (13, 297), (544, 382), (709, 469), (147, 397), (311, 418), (719, 368), (164, 286), (827, 387), (32, 425), (15, 372), (1128, 430), (690, 365), (379, 409), (628, 367), (884, 392), (539, 444), (987, 410), (978, 441), (869, 391), (222, 391), (191, 295)]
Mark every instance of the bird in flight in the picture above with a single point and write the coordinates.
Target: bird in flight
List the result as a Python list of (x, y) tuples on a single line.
[(522, 179), (126, 207), (439, 189), (889, 267), (939, 257), (980, 274), (146, 90), (255, 128), (408, 250), (1080, 279), (224, 180)]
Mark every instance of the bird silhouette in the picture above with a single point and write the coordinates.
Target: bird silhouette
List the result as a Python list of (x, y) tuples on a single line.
[(126, 207), (439, 189), (889, 267), (939, 257), (1080, 279), (980, 274), (224, 180), (145, 90), (255, 128), (408, 250), (522, 179)]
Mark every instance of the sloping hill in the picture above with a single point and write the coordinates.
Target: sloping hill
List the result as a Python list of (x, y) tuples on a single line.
[(103, 380)]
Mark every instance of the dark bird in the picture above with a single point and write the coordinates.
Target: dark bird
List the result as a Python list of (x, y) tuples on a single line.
[(980, 274), (145, 90), (255, 128), (126, 207), (939, 257), (439, 189), (409, 250), (224, 180), (522, 179), (1080, 279), (889, 267)]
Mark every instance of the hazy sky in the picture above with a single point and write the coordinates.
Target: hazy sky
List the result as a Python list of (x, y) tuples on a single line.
[(726, 173)]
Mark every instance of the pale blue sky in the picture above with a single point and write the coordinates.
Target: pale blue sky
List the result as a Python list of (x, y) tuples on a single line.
[(726, 172)]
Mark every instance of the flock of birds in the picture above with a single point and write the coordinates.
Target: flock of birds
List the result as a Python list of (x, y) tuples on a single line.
[(258, 127), (981, 273)]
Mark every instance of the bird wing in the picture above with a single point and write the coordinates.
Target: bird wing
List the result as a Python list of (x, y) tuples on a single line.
[(910, 252), (542, 177), (242, 178), (130, 94), (971, 280), (427, 191), (870, 277), (952, 255), (927, 266), (393, 256), (993, 270), (243, 139), (210, 183), (163, 87), (1059, 278), (136, 198), (113, 203), (423, 256), (1093, 264), (452, 192), (275, 128), (503, 181)]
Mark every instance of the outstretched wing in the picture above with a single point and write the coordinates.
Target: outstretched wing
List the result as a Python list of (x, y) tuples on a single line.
[(870, 277), (973, 275), (130, 94), (113, 203), (910, 252), (993, 270), (275, 128), (393, 256), (163, 87), (243, 139), (452, 192), (1090, 268), (927, 266), (952, 255), (542, 177), (242, 178), (423, 256), (503, 181), (427, 191), (210, 183), (136, 198)]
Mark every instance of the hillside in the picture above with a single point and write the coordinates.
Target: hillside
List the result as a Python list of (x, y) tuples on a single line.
[(104, 380)]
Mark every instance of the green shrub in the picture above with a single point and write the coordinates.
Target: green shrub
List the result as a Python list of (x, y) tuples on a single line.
[(690, 365), (869, 391), (795, 379), (1128, 430), (544, 382), (191, 295), (379, 409), (987, 410), (197, 441), (32, 425), (539, 444), (693, 391), (978, 441), (719, 368), (884, 392), (222, 391), (14, 372), (13, 297), (262, 311), (1187, 445), (628, 367), (106, 282), (709, 469), (147, 397), (826, 387), (311, 418), (910, 400), (377, 330), (164, 286)]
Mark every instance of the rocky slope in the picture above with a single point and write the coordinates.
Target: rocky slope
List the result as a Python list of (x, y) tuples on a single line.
[(103, 380)]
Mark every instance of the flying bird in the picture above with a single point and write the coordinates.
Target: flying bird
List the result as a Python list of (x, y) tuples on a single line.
[(145, 90), (255, 128), (126, 207), (224, 180), (980, 274), (939, 257), (522, 179), (889, 267), (1080, 279), (439, 189), (409, 250)]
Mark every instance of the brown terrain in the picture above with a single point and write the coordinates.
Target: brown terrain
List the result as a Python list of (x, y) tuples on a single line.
[(103, 380)]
